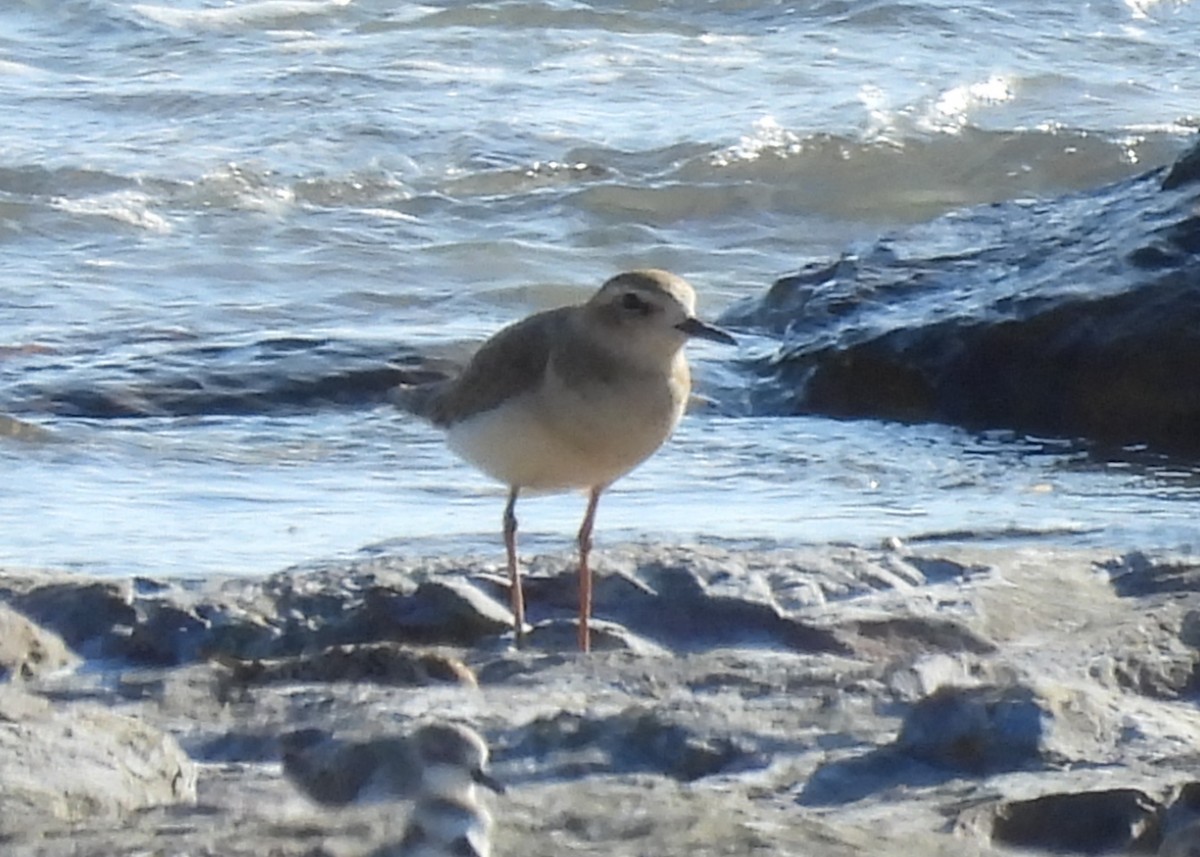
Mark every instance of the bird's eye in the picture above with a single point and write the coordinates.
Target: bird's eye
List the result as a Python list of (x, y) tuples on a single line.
[(633, 303)]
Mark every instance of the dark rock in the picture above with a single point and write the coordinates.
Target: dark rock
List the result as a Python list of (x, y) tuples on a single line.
[(1179, 823), (1185, 170), (1098, 822), (1075, 317)]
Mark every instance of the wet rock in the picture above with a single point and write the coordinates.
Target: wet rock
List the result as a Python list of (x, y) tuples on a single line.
[(70, 763), (1098, 822), (956, 692), (996, 330), (28, 650), (979, 731)]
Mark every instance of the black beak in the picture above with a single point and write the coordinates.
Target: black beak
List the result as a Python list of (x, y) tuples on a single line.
[(488, 781), (695, 327)]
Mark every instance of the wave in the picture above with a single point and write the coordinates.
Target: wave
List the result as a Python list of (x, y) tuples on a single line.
[(273, 375), (850, 178), (264, 14)]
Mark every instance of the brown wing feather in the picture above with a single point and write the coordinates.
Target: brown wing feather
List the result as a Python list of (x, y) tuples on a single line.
[(508, 364)]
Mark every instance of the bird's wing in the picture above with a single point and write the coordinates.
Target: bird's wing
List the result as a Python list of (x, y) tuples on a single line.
[(510, 363), (327, 769)]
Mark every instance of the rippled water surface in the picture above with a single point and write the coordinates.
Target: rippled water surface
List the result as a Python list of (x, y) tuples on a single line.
[(182, 181)]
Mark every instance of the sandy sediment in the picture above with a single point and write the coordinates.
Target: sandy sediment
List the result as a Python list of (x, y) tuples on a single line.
[(835, 701)]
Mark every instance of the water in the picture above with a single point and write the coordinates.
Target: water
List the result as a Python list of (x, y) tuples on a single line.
[(186, 180)]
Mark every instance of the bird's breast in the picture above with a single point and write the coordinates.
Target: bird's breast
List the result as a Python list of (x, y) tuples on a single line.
[(577, 435)]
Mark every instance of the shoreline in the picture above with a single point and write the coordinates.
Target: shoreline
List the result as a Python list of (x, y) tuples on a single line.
[(920, 700)]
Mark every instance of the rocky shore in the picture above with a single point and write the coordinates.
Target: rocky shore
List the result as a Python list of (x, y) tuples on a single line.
[(743, 699)]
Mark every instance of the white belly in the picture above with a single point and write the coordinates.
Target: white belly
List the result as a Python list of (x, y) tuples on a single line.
[(554, 442)]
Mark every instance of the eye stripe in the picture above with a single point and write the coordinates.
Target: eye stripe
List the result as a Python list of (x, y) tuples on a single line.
[(633, 303)]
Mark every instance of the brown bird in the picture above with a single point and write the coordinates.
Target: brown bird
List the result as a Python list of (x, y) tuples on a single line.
[(575, 397)]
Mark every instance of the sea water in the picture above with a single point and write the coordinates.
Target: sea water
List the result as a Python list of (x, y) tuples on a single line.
[(179, 181)]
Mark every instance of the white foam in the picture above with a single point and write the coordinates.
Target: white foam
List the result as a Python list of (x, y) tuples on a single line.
[(262, 13), (129, 207), (768, 137)]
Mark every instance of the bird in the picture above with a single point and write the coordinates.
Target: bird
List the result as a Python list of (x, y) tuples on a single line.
[(448, 820), (573, 398), (441, 759), (443, 826)]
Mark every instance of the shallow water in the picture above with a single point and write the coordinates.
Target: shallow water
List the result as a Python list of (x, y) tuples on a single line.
[(182, 180)]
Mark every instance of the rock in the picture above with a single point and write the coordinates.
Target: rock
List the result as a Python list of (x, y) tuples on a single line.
[(912, 635), (1138, 573), (636, 739), (676, 608), (377, 663), (93, 617), (448, 610), (1178, 822), (28, 650), (1099, 822), (995, 329), (70, 763), (166, 634), (994, 728), (562, 635), (964, 711), (1181, 842)]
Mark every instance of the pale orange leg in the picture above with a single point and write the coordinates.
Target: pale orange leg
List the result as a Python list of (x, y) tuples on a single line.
[(514, 569), (585, 570)]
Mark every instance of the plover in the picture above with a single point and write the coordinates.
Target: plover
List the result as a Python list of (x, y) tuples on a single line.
[(572, 398), (448, 819), (437, 759)]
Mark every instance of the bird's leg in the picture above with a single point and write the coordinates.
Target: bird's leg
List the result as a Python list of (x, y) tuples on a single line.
[(585, 570), (514, 570)]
